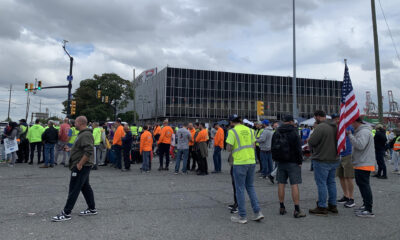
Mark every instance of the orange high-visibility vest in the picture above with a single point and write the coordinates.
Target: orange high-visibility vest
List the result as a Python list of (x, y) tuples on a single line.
[(396, 146)]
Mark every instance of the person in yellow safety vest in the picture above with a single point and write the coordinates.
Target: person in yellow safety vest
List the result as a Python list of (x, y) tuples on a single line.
[(97, 141), (35, 140), (373, 132), (140, 129), (241, 142), (134, 129), (396, 151), (23, 147)]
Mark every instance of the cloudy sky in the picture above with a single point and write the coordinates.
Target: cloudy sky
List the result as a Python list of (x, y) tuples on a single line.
[(251, 36)]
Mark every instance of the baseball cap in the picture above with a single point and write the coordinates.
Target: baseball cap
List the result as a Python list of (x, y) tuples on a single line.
[(360, 120), (334, 115), (288, 118), (233, 117), (379, 126), (118, 120), (265, 122)]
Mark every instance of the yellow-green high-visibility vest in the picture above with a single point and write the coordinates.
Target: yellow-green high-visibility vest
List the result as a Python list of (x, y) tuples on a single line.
[(134, 130), (242, 139)]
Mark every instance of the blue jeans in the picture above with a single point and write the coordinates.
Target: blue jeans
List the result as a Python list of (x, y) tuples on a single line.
[(217, 159), (181, 153), (146, 161), (49, 153), (118, 158), (266, 162), (324, 175), (244, 178)]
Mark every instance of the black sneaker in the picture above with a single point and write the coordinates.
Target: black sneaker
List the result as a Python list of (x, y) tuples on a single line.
[(271, 179), (88, 212), (350, 204), (61, 217), (282, 211), (343, 200), (234, 210), (232, 206)]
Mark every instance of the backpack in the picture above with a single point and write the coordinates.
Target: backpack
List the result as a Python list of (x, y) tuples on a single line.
[(280, 147)]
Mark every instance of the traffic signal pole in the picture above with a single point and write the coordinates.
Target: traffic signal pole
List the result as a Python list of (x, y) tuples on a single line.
[(69, 78)]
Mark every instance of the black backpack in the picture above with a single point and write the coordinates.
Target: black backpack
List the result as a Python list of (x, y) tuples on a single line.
[(280, 148)]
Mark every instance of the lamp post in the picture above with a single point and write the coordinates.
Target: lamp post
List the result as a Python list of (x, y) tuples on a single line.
[(294, 83)]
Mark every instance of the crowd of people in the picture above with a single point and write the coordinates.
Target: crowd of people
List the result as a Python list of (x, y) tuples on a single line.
[(279, 147)]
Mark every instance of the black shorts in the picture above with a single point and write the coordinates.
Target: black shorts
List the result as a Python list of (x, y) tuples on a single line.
[(288, 170)]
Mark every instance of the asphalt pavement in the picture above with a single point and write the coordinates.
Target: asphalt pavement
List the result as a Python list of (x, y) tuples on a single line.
[(161, 205)]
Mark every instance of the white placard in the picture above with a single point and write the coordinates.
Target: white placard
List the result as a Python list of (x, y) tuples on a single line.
[(10, 145)]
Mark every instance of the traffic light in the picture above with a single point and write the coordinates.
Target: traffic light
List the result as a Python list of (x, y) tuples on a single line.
[(106, 99), (260, 108), (31, 87), (73, 107), (99, 94), (39, 85), (26, 87)]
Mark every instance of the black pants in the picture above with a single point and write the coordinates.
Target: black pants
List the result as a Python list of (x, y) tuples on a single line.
[(23, 151), (127, 160), (234, 187), (79, 182), (258, 156), (191, 156), (380, 160), (38, 145), (164, 150), (202, 162), (362, 180)]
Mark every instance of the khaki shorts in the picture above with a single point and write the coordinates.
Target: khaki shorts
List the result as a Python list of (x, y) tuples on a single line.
[(345, 169)]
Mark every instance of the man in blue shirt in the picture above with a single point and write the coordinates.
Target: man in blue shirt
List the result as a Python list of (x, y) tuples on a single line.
[(345, 172), (305, 134)]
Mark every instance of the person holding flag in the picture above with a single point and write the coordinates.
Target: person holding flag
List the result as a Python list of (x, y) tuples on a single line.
[(363, 155)]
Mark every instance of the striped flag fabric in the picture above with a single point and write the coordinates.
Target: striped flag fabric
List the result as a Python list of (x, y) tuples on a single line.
[(349, 111)]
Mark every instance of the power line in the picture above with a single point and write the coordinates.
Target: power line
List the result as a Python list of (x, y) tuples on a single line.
[(390, 32)]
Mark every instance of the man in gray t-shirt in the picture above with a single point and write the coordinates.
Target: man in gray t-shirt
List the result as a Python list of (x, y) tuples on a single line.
[(183, 136)]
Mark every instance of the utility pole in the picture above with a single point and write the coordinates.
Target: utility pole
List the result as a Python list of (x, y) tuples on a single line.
[(294, 83), (27, 106), (40, 106), (377, 63), (69, 78), (9, 104)]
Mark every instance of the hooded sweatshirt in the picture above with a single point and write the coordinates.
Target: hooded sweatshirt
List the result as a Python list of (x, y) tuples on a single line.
[(323, 142), (265, 139), (363, 146), (84, 145)]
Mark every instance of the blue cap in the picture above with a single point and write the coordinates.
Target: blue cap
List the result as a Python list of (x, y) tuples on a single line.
[(265, 122)]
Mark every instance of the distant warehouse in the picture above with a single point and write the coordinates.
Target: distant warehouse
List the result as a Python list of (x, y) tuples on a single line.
[(188, 94)]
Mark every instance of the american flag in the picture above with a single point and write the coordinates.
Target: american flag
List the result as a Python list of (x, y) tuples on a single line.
[(349, 111)]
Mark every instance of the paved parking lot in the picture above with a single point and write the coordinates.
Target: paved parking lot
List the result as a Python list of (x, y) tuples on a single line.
[(161, 205)]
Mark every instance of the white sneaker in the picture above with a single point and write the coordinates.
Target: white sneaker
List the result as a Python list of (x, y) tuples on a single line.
[(258, 216), (88, 212), (238, 219)]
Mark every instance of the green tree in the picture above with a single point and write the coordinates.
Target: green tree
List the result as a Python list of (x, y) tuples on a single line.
[(118, 90)]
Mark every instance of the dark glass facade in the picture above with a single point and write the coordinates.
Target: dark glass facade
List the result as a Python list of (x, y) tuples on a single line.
[(212, 95)]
